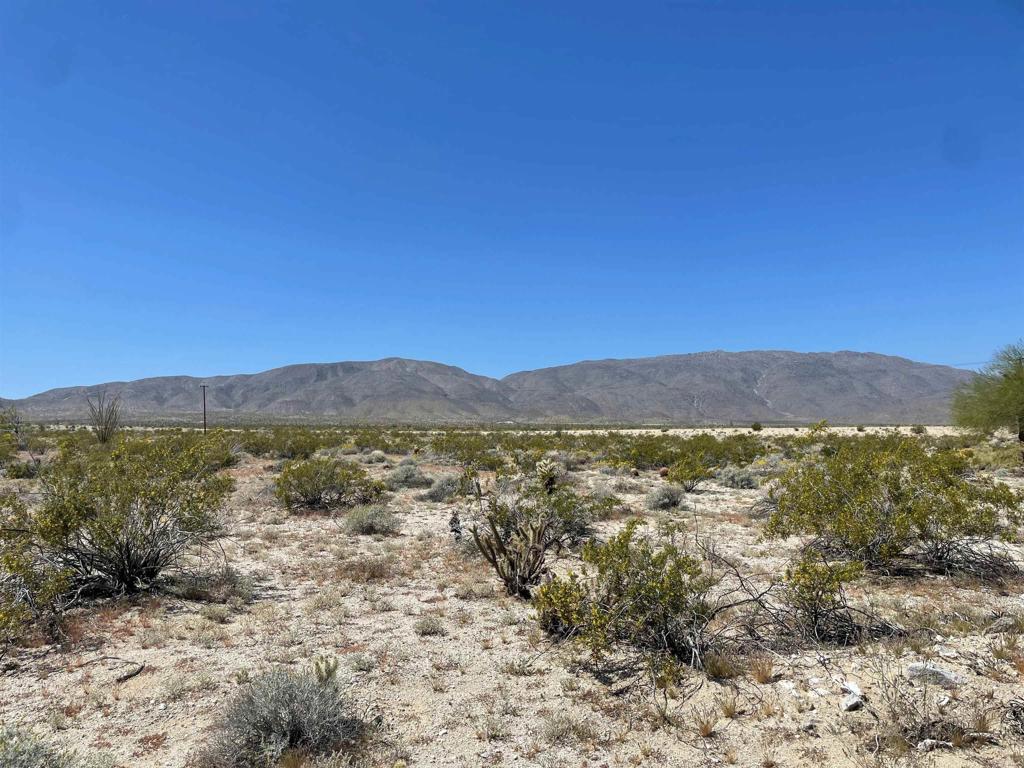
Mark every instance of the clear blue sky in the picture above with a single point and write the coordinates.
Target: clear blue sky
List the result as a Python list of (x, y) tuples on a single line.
[(226, 187)]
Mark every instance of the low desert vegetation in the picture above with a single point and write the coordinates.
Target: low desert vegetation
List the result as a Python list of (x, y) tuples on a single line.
[(647, 597), (283, 717), (883, 502), (324, 483)]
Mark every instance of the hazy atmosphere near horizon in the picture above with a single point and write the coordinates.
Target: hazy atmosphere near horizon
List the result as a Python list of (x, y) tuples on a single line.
[(223, 188)]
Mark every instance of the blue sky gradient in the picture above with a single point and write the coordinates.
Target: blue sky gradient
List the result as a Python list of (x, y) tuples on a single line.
[(206, 188)]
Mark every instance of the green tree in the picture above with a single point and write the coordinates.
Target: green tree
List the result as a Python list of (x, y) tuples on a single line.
[(995, 397)]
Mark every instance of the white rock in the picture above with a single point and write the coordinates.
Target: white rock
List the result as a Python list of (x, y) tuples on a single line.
[(851, 687), (851, 702)]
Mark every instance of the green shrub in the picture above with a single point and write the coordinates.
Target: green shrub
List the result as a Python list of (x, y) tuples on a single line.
[(815, 596), (370, 521), (442, 489), (756, 426), (280, 714), (114, 521), (325, 483), (23, 470), (639, 598), (664, 497), (919, 429), (689, 472), (294, 443), (407, 476), (876, 500), (256, 442)]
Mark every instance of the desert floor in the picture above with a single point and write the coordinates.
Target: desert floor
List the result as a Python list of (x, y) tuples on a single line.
[(489, 688)]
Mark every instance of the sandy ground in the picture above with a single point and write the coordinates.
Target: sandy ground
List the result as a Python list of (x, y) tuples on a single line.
[(492, 689)]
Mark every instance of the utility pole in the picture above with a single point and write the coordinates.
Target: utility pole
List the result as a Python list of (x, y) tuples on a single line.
[(204, 406)]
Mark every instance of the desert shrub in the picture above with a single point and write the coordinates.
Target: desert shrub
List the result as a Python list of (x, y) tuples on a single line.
[(283, 713), (815, 596), (442, 489), (256, 442), (690, 471), (23, 470), (992, 456), (325, 483), (32, 591), (20, 749), (372, 520), (756, 426), (736, 477), (568, 516), (294, 443), (429, 626), (640, 598), (664, 497), (115, 521), (374, 457), (407, 476), (8, 447), (919, 429), (876, 500)]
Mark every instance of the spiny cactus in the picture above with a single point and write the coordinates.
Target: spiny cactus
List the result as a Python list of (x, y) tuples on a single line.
[(518, 558), (547, 472), (325, 669)]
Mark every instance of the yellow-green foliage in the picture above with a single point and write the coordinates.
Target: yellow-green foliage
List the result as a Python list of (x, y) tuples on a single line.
[(814, 587), (294, 442), (29, 590), (638, 597), (689, 472), (110, 520), (877, 499), (325, 483), (120, 518)]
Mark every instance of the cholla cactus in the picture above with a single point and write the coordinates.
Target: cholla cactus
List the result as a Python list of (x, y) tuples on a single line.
[(518, 558), (325, 670), (548, 472)]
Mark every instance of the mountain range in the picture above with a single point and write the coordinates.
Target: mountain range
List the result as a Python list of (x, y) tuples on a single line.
[(700, 388)]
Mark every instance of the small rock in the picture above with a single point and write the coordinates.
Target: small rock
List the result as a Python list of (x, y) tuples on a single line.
[(851, 687), (932, 674), (946, 653), (931, 744), (851, 703), (809, 726)]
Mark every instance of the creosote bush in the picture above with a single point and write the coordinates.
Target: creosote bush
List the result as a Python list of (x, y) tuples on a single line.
[(280, 714), (639, 597), (881, 500), (325, 483), (112, 522), (690, 471)]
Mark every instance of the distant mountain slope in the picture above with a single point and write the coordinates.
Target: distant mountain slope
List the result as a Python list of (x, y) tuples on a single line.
[(706, 387), (719, 387)]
